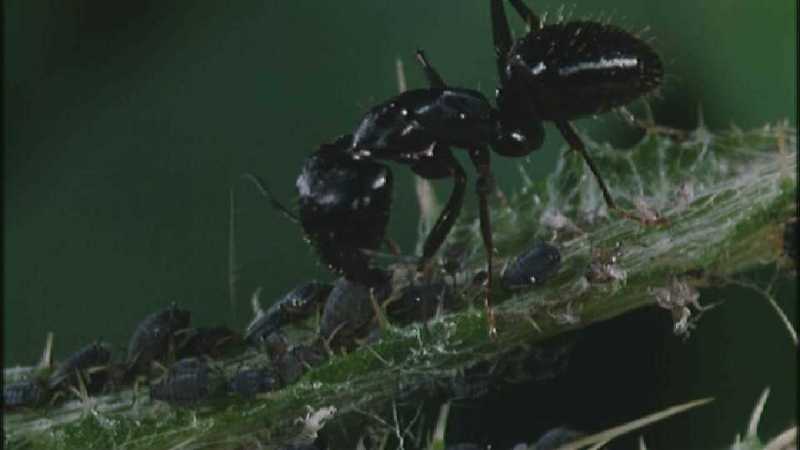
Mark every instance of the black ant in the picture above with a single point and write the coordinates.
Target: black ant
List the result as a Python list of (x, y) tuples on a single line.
[(556, 73)]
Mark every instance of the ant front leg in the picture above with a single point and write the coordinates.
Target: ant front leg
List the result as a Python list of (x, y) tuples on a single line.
[(484, 185), (576, 144)]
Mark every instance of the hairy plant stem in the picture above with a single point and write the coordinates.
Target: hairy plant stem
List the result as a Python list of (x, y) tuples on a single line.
[(726, 197)]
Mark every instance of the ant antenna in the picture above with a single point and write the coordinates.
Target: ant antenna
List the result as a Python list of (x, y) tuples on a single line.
[(267, 193)]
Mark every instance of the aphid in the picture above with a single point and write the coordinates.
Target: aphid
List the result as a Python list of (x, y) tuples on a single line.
[(348, 313), (24, 394), (207, 341), (249, 382), (420, 302), (186, 382), (295, 362), (298, 304), (90, 362), (154, 335), (276, 345), (532, 267)]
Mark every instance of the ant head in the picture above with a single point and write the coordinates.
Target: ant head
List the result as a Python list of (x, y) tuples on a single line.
[(519, 130), (344, 207)]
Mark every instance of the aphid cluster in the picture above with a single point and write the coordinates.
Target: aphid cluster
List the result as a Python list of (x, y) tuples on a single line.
[(556, 72), (158, 340), (176, 360)]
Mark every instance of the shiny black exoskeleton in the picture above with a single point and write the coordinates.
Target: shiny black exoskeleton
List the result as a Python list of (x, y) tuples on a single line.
[(186, 382), (420, 302), (532, 267), (290, 366), (90, 362), (348, 313), (153, 336), (298, 304), (344, 208), (250, 382), (24, 394)]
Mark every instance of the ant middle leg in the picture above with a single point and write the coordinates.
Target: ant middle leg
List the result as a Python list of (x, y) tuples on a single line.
[(446, 166), (481, 159), (577, 144)]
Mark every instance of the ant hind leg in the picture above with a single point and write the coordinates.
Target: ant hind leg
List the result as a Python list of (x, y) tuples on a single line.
[(577, 144)]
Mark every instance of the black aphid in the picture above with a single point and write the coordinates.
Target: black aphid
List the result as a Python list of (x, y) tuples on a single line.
[(90, 362), (532, 267), (276, 345), (298, 304), (153, 336), (186, 382), (420, 302), (295, 362), (24, 394), (249, 382), (349, 312)]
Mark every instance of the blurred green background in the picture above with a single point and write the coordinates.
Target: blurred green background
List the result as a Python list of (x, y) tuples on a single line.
[(127, 123)]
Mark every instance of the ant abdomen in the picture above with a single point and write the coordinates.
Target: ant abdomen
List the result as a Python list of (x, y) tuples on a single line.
[(581, 68)]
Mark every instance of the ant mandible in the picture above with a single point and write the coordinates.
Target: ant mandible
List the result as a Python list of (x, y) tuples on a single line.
[(556, 72)]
